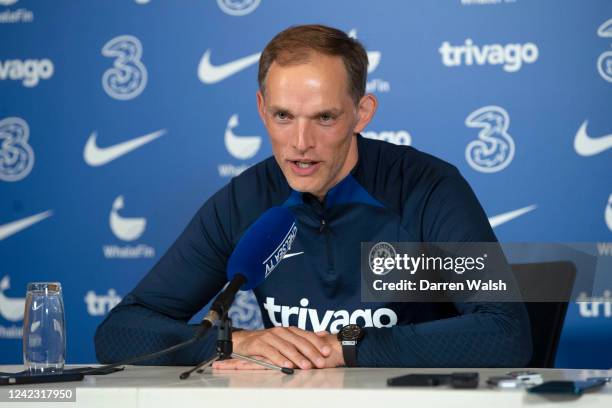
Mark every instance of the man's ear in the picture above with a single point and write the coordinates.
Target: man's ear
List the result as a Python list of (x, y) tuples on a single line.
[(261, 106), (365, 112)]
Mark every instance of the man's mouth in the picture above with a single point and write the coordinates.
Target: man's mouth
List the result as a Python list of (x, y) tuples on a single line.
[(303, 164), (304, 167)]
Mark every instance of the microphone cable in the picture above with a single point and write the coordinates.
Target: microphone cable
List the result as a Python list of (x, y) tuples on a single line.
[(206, 324)]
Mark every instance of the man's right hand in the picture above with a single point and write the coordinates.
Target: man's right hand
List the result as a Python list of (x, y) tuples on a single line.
[(289, 347)]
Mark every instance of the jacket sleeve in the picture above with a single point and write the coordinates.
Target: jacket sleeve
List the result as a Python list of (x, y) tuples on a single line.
[(482, 334), (154, 315)]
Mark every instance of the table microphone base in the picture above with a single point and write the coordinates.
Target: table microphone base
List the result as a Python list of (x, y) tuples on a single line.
[(225, 352)]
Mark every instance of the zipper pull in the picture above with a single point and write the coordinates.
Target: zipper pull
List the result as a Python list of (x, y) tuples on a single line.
[(322, 227)]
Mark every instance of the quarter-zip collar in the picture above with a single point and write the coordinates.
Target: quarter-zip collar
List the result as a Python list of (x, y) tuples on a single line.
[(347, 190)]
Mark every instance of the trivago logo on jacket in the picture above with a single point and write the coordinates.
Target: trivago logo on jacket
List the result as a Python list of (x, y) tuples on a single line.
[(330, 320)]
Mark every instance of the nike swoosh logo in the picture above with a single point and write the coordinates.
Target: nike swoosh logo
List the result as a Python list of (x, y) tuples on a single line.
[(98, 156), (211, 74), (14, 227), (292, 254), (586, 145), (500, 219)]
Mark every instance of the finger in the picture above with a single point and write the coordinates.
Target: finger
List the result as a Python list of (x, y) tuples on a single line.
[(247, 363), (318, 339), (237, 365), (275, 350), (304, 344), (250, 366), (285, 348), (229, 364)]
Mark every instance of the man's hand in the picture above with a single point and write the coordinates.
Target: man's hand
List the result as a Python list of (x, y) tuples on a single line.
[(289, 347)]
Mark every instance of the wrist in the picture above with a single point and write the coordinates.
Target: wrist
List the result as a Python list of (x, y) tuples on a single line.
[(337, 351), (238, 336)]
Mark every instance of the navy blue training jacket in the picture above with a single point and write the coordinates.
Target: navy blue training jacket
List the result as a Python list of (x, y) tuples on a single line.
[(393, 194)]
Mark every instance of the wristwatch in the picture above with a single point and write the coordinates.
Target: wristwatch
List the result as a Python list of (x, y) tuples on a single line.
[(349, 336)]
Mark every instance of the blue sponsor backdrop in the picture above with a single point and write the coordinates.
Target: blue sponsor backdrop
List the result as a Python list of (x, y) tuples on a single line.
[(118, 119)]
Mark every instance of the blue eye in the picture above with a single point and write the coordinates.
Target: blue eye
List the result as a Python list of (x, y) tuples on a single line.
[(282, 115)]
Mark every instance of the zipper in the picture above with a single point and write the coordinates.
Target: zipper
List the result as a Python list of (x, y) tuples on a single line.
[(324, 229), (323, 225), (318, 209)]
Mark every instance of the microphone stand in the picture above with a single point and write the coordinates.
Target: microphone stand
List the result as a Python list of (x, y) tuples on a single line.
[(225, 351)]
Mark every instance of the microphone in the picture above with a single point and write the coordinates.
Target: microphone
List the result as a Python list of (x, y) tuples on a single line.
[(256, 255), (259, 251)]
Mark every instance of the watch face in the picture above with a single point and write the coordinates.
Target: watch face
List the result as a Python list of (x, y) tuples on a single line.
[(352, 332)]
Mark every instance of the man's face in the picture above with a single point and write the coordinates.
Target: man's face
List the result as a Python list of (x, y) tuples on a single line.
[(311, 119)]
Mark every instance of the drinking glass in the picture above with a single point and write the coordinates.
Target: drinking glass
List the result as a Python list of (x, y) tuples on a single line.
[(44, 332)]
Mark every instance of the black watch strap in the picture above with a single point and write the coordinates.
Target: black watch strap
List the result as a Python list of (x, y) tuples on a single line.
[(349, 351)]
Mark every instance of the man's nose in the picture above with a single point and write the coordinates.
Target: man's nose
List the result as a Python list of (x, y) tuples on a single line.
[(303, 138)]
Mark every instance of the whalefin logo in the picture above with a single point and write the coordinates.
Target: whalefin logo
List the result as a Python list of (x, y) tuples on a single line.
[(279, 253), (500, 219), (14, 227), (241, 147), (97, 156), (373, 84), (373, 56), (604, 62), (126, 229), (586, 145), (494, 149), (11, 309)]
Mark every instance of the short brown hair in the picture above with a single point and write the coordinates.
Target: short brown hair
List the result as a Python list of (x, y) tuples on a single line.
[(295, 45)]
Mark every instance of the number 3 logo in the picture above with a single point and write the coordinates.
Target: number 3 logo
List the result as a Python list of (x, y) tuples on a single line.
[(494, 149), (128, 76)]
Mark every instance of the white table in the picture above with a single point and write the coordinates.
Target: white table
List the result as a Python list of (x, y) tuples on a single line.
[(139, 386)]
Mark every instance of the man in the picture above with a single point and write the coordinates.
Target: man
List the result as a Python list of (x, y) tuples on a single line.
[(343, 190)]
